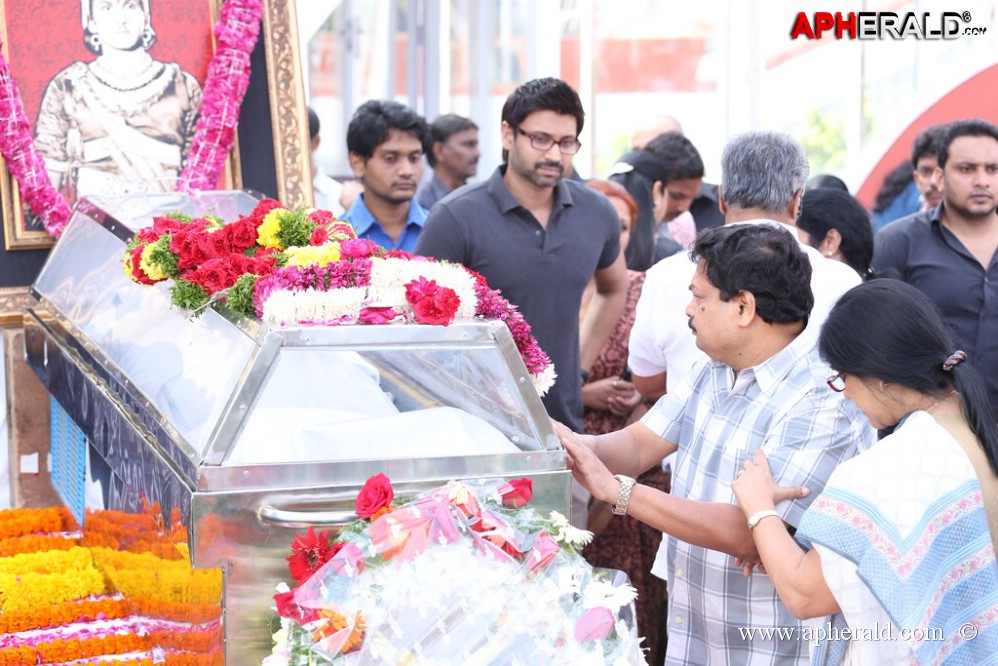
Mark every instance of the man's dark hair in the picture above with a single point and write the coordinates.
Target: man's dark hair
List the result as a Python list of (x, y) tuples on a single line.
[(764, 260), (965, 127), (373, 121), (548, 94), (826, 181), (313, 124), (826, 208), (442, 129), (927, 143), (678, 155)]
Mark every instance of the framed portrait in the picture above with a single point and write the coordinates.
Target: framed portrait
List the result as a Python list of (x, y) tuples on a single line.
[(111, 90)]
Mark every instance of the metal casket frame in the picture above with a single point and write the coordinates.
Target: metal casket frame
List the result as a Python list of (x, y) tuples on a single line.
[(254, 433)]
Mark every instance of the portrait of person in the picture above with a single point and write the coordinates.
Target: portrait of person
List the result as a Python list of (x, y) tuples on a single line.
[(121, 122)]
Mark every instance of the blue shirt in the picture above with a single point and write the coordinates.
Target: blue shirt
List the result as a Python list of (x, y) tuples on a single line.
[(369, 228)]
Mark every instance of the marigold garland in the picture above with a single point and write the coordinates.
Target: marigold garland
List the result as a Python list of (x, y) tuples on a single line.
[(31, 543), (27, 590), (21, 522), (66, 612), (49, 562)]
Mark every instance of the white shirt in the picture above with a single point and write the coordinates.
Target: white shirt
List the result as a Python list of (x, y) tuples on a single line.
[(661, 339), (327, 192)]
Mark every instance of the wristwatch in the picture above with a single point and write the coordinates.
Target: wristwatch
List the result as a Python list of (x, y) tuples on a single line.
[(623, 495), (754, 519)]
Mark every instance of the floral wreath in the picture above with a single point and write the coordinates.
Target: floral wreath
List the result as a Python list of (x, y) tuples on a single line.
[(225, 86), (463, 570), (305, 268)]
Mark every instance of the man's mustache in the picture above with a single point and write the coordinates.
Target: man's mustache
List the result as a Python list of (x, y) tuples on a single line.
[(554, 165)]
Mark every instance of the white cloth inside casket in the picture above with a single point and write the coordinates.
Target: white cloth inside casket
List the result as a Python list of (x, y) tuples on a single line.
[(329, 405)]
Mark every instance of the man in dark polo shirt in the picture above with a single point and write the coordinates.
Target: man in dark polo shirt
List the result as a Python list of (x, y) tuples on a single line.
[(540, 238), (949, 252)]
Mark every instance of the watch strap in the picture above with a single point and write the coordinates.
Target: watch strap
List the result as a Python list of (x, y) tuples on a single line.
[(623, 495), (754, 519)]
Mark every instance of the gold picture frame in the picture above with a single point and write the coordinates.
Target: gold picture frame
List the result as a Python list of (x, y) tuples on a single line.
[(284, 81)]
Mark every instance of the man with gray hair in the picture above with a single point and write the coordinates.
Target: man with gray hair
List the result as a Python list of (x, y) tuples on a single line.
[(763, 175), (453, 157)]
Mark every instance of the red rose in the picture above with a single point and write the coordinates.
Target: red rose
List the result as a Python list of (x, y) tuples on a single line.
[(516, 493), (242, 234), (321, 217), (148, 235), (319, 236), (214, 275), (261, 210), (376, 494), (431, 303), (166, 225), (286, 607)]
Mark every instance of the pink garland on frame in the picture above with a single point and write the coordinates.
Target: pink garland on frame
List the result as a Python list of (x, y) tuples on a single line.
[(23, 159), (236, 34), (225, 87)]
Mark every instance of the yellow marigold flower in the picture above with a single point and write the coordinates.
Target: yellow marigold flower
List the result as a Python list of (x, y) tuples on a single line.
[(266, 233), (151, 268), (311, 255)]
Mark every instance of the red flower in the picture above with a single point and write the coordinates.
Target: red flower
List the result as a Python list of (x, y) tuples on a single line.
[(516, 493), (342, 231), (319, 236), (286, 607), (400, 254), (431, 303), (241, 235), (214, 275), (376, 494), (139, 275), (310, 552), (321, 217), (166, 225), (261, 210)]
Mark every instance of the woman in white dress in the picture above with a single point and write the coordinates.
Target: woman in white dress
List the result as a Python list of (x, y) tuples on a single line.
[(123, 122), (900, 543)]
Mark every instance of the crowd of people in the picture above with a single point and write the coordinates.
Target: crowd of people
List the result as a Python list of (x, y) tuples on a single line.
[(731, 353)]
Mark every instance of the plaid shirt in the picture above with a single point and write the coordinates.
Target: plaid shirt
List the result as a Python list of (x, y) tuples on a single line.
[(718, 421)]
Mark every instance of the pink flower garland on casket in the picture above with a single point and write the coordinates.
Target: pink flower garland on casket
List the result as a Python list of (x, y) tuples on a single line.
[(304, 268), (228, 77)]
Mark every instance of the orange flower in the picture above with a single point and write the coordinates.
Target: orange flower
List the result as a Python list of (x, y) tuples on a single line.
[(335, 624), (381, 512)]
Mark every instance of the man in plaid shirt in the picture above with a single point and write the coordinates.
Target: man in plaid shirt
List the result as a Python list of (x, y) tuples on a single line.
[(764, 386)]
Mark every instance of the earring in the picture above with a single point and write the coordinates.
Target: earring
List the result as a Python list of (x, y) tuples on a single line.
[(94, 42), (148, 38)]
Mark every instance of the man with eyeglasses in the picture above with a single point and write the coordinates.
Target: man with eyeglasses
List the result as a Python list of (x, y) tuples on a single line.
[(540, 238)]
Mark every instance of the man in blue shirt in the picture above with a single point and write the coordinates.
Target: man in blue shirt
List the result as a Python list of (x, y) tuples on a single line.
[(385, 142)]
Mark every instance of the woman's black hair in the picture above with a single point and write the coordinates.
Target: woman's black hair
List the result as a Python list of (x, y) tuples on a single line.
[(889, 330), (823, 209)]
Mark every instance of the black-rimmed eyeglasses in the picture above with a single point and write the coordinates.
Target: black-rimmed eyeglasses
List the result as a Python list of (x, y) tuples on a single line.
[(543, 142), (837, 382)]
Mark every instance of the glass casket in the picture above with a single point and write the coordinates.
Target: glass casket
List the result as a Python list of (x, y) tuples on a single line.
[(247, 434)]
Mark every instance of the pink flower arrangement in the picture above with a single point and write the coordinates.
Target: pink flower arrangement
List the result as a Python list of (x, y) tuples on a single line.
[(304, 268)]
